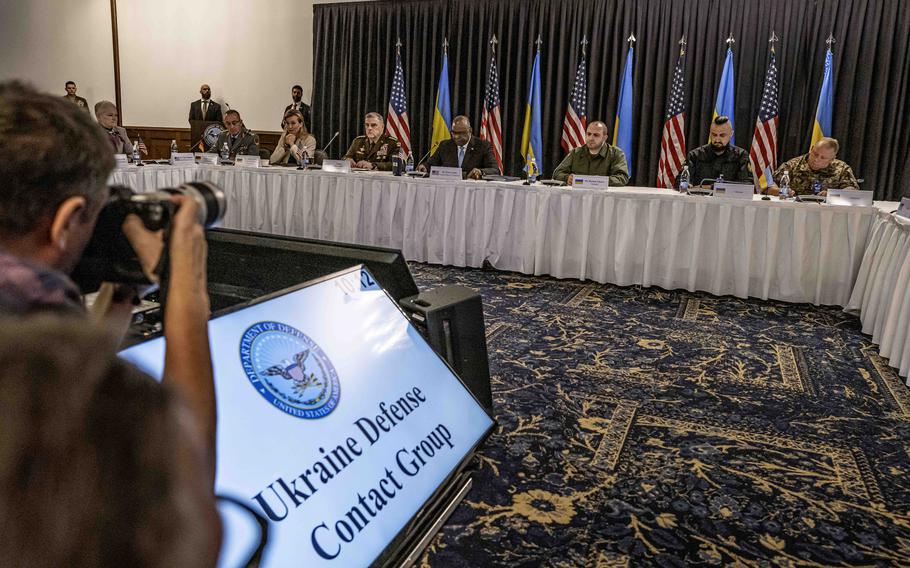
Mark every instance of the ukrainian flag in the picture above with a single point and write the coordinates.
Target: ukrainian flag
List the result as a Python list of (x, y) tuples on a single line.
[(622, 129), (531, 138), (723, 106), (822, 126), (442, 115)]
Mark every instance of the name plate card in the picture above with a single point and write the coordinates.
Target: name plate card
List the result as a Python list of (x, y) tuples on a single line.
[(904, 209), (736, 190), (852, 197), (590, 182), (121, 161), (445, 174), (341, 166), (208, 159), (247, 161), (183, 158)]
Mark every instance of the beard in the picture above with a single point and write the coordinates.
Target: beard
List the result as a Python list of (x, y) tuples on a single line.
[(717, 147)]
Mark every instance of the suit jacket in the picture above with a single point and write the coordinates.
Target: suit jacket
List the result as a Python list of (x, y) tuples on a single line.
[(304, 110), (247, 144), (478, 154), (122, 143), (213, 114)]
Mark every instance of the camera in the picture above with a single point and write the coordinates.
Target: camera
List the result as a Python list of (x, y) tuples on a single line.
[(109, 257)]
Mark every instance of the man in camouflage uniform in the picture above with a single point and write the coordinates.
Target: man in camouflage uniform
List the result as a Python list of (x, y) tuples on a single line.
[(374, 150), (719, 157), (597, 157), (819, 164)]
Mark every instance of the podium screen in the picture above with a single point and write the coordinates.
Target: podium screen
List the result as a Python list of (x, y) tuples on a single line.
[(336, 421)]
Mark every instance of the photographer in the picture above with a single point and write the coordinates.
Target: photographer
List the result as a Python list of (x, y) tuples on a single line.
[(54, 163)]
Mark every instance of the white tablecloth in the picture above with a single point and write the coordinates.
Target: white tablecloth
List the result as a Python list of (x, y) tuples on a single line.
[(881, 296), (764, 249)]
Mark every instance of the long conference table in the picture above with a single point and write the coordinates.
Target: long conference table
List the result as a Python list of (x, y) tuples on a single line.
[(855, 257)]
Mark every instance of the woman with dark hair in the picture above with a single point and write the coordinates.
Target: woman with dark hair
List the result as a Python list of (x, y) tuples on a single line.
[(294, 142), (100, 465)]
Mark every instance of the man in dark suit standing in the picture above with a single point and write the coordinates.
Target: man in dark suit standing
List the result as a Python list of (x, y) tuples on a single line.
[(473, 155), (205, 108), (299, 105)]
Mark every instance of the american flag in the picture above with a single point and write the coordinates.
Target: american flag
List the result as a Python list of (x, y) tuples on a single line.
[(764, 143), (398, 124), (673, 140), (490, 121), (573, 129)]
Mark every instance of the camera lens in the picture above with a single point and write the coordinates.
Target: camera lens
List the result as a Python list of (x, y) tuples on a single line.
[(210, 199)]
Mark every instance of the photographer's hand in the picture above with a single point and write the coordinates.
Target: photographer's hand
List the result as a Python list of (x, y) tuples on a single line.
[(187, 360)]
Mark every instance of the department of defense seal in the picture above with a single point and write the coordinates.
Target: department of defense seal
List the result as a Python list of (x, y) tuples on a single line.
[(289, 370)]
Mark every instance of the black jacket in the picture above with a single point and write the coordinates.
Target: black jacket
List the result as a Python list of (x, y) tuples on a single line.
[(733, 164), (478, 154)]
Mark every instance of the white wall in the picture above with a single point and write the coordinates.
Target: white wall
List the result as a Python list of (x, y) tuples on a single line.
[(49, 42), (249, 52)]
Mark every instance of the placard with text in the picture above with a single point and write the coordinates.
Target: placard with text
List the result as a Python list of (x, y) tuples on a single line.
[(336, 420)]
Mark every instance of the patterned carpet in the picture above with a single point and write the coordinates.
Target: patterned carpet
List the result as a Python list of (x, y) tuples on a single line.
[(640, 427)]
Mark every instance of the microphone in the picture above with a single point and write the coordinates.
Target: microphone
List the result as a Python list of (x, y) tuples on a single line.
[(330, 142), (425, 156)]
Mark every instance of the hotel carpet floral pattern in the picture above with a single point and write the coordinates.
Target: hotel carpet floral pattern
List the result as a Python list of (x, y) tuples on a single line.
[(641, 427)]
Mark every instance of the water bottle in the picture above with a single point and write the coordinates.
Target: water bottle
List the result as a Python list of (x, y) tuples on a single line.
[(532, 172), (720, 179), (304, 160), (225, 152), (173, 151), (137, 159), (409, 165), (785, 185), (684, 180), (816, 186)]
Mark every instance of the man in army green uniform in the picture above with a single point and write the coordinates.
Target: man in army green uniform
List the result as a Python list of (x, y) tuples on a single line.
[(819, 164), (596, 158), (719, 157), (374, 150), (239, 140)]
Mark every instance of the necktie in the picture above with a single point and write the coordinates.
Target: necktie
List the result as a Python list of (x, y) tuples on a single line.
[(115, 139), (205, 109), (460, 155)]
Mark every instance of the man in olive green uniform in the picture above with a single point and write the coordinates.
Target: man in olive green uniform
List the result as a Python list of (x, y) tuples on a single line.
[(239, 140), (719, 157), (819, 164), (374, 150), (596, 158)]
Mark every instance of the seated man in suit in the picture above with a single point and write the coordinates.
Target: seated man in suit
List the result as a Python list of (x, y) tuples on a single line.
[(205, 108), (473, 155), (239, 140), (106, 114), (73, 98), (819, 165), (375, 149), (596, 158)]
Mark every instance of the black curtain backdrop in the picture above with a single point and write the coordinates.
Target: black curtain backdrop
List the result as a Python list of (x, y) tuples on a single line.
[(354, 45)]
